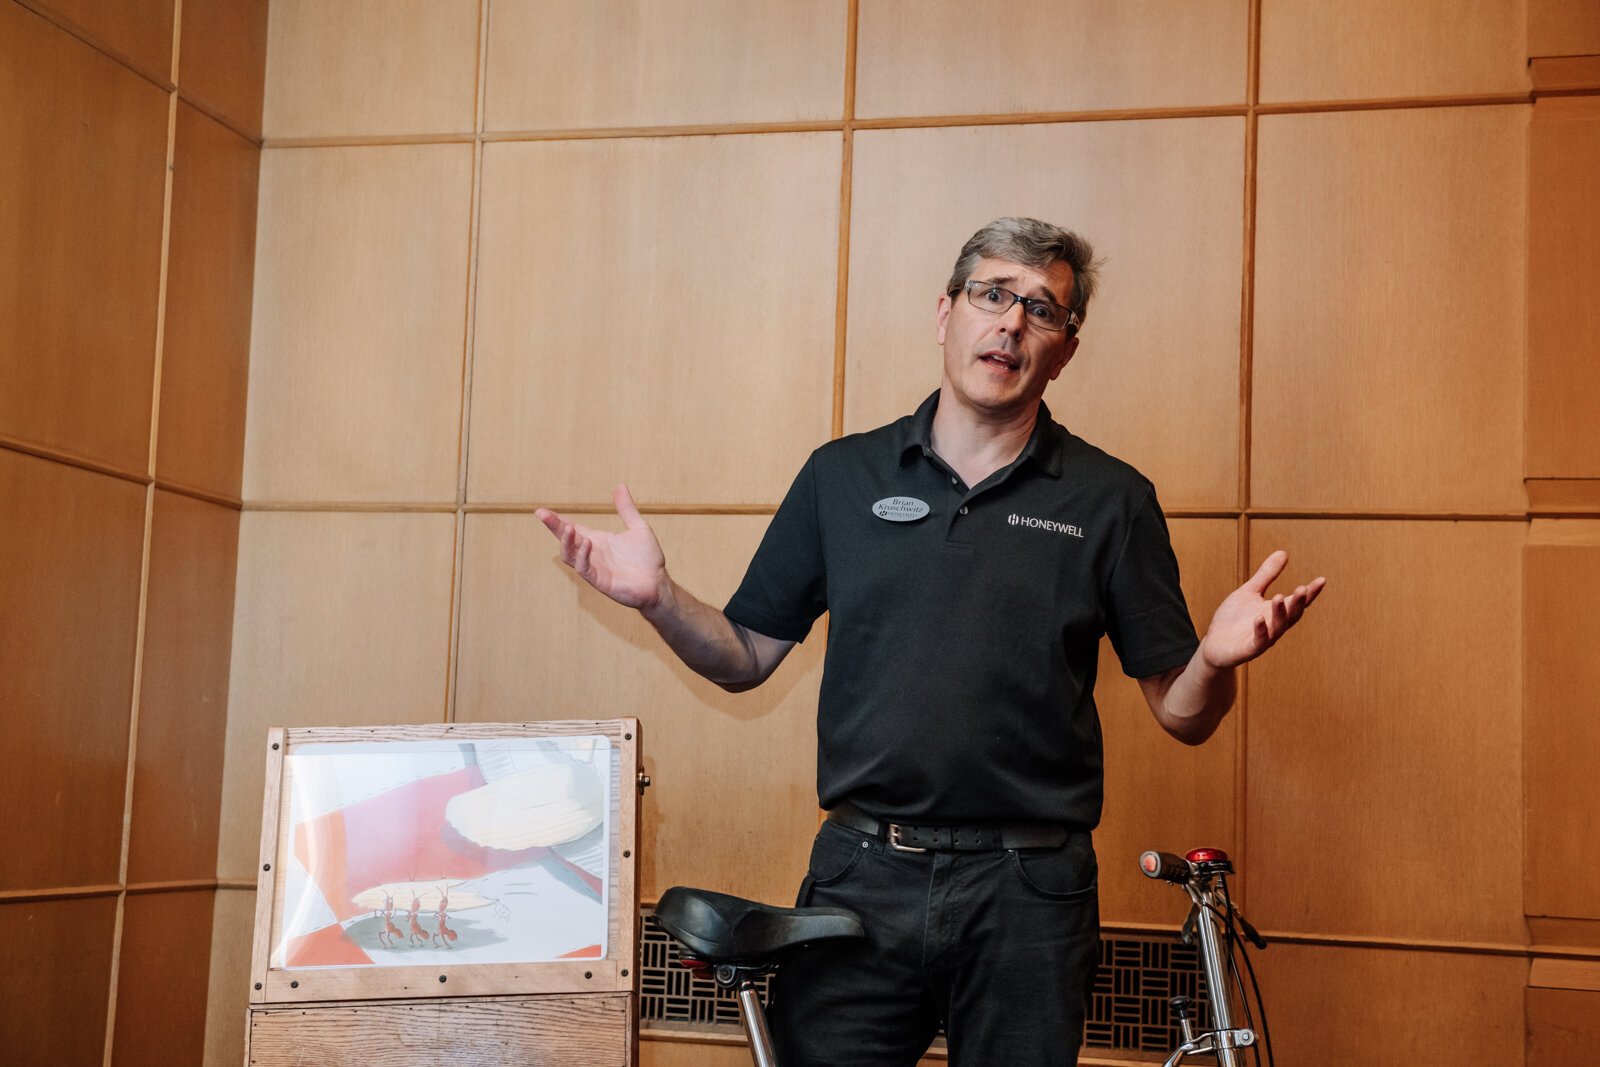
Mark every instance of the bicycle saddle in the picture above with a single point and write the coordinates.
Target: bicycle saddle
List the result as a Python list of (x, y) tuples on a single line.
[(721, 929)]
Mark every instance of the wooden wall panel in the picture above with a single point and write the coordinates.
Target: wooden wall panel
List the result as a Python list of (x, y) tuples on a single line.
[(1156, 379), (559, 64), (370, 67), (139, 31), (83, 144), (1563, 278), (1392, 1008), (162, 973), (228, 984), (1384, 752), (633, 294), (1374, 49), (1161, 793), (211, 264), (1561, 714), (691, 1054), (1388, 310), (358, 325), (1563, 28), (1563, 1027), (733, 806), (947, 57), (223, 59), (183, 705), (339, 620), (56, 980), (70, 544)]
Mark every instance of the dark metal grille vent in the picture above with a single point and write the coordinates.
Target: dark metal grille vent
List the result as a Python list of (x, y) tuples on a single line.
[(671, 993), (1137, 976), (1129, 1012)]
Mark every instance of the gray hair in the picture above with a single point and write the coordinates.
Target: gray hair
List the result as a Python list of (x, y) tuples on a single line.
[(1035, 245)]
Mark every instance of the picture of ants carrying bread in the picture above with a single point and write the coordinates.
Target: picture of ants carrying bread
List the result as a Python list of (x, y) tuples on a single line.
[(406, 853)]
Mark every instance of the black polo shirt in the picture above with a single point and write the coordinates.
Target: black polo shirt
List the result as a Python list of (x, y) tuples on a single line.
[(958, 685)]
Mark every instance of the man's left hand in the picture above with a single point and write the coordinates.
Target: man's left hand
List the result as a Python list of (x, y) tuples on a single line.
[(1246, 624)]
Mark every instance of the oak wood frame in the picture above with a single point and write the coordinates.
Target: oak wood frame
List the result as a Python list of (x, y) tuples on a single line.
[(615, 973)]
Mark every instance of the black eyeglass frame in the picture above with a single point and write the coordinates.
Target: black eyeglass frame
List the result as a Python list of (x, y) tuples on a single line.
[(1028, 304)]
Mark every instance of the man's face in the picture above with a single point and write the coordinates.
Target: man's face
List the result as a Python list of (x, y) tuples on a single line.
[(999, 365)]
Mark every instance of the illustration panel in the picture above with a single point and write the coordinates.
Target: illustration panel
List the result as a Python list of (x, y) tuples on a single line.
[(437, 853)]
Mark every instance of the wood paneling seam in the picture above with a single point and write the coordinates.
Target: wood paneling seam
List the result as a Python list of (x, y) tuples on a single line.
[(65, 892), (373, 141), (420, 508), (1247, 290), (1381, 516), (1394, 104), (1031, 118), (597, 507), (469, 336), (841, 302), (71, 459), (180, 885), (1241, 733), (216, 116), (161, 284), (594, 507), (195, 492), (1301, 937), (139, 640), (83, 36), (458, 557)]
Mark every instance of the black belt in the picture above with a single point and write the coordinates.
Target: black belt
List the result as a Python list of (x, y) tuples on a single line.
[(986, 837)]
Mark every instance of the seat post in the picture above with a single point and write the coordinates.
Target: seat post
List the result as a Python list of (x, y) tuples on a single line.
[(755, 1024)]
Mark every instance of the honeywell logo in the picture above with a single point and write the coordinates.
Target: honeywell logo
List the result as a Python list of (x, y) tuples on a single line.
[(1044, 524)]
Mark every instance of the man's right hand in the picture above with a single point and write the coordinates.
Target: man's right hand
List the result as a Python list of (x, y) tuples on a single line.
[(629, 567)]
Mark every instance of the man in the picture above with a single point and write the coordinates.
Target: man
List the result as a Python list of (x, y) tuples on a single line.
[(970, 556)]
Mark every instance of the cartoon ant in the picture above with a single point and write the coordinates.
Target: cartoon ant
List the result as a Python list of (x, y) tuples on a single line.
[(445, 934), (417, 932), (389, 936)]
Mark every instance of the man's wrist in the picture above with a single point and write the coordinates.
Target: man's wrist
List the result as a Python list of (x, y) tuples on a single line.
[(1207, 679), (665, 604)]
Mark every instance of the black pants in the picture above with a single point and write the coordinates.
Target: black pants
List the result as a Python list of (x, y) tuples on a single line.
[(999, 947)]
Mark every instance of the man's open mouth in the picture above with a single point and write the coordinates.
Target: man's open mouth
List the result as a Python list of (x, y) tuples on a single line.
[(1000, 359)]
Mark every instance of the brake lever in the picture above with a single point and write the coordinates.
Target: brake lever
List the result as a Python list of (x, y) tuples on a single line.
[(1249, 931)]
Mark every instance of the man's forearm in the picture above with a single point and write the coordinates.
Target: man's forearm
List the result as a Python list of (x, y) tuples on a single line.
[(707, 641), (1196, 699)]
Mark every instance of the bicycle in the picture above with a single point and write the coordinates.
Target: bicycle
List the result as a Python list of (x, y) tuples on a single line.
[(741, 941), (1217, 924)]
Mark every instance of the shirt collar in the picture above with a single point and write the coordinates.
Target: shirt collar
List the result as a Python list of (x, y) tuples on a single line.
[(1043, 447)]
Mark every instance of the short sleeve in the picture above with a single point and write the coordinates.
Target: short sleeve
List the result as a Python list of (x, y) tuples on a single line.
[(785, 588), (1147, 618)]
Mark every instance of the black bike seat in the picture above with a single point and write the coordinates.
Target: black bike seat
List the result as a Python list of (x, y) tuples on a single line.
[(717, 928)]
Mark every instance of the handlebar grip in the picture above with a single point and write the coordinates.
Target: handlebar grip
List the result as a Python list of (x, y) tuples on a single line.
[(1165, 866)]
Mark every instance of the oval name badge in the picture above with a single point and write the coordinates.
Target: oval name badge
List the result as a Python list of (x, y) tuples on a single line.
[(900, 508)]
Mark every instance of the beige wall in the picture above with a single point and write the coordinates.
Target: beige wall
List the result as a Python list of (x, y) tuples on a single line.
[(1332, 233), (129, 155)]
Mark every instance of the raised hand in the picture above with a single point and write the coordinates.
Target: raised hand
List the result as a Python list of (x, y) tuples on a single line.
[(1246, 624), (628, 567)]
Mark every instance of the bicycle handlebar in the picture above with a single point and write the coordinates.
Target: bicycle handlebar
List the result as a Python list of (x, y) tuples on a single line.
[(1166, 866)]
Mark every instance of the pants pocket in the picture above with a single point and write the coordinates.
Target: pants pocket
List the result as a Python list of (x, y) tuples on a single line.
[(1067, 873), (834, 853)]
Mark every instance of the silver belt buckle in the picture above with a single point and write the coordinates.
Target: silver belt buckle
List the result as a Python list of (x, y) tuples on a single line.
[(894, 840)]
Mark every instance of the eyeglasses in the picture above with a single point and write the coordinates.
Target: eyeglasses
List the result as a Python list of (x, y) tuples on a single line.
[(1046, 314)]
